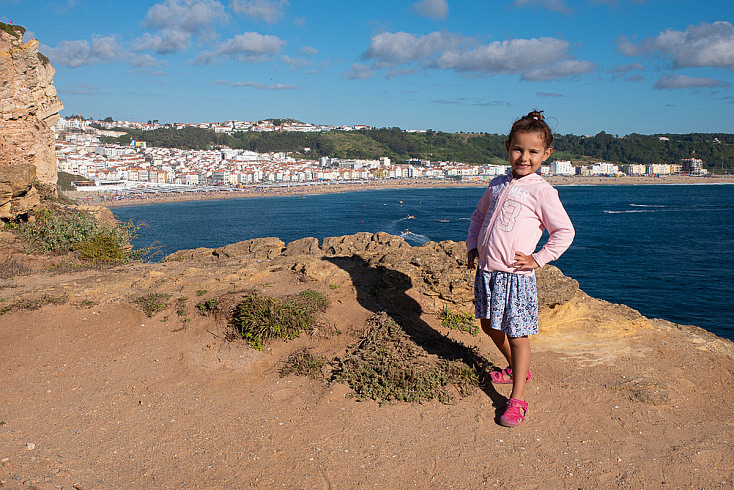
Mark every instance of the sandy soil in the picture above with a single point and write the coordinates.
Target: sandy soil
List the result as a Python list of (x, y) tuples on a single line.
[(97, 395), (108, 199)]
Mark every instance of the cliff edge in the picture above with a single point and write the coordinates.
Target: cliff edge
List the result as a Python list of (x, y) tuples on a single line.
[(29, 106), (131, 376)]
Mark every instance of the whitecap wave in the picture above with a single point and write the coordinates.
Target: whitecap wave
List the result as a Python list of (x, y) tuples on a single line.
[(414, 238)]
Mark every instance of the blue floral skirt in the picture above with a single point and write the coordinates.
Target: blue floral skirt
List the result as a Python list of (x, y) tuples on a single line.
[(509, 301)]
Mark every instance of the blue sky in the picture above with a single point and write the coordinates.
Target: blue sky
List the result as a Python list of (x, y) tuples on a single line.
[(621, 66)]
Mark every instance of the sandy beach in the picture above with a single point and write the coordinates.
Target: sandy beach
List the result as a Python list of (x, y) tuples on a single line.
[(115, 199)]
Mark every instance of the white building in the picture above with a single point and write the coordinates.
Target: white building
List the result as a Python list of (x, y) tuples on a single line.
[(634, 169), (562, 167), (658, 169), (604, 168)]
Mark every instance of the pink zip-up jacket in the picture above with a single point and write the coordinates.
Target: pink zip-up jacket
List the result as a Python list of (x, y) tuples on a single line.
[(511, 217)]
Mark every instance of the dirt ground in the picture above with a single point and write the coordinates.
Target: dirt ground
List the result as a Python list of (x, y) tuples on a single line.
[(95, 394)]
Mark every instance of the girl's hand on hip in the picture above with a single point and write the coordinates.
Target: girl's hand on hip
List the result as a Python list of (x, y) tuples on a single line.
[(523, 261), (471, 256)]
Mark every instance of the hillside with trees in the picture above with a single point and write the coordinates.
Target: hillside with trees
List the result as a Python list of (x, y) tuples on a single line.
[(716, 150)]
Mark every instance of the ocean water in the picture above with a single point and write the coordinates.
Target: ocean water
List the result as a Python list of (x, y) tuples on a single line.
[(661, 249)]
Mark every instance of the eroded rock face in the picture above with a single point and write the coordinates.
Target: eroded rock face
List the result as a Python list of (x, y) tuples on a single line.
[(438, 270), (28, 105), (17, 194)]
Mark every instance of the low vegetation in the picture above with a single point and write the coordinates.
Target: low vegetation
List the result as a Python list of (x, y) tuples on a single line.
[(463, 322), (152, 303), (207, 306), (64, 182), (14, 30), (387, 365), (11, 267), (33, 303), (303, 363), (56, 229), (258, 319)]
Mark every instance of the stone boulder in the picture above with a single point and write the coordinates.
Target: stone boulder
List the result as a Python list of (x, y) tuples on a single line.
[(17, 194)]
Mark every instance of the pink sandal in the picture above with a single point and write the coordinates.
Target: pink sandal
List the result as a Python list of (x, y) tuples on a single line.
[(514, 413), (504, 377)]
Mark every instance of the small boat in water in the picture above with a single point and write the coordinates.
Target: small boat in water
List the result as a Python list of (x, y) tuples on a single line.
[(410, 216)]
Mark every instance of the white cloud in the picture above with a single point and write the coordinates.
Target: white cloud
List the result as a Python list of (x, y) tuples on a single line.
[(257, 85), (248, 47), (185, 15), (400, 72), (621, 70), (81, 89), (548, 94), (296, 63), (81, 53), (309, 51), (142, 60), (267, 10), (63, 9), (683, 81), (535, 59), (703, 45), (562, 69), (555, 5), (403, 47), (359, 71), (434, 9), (177, 21), (169, 41), (511, 56)]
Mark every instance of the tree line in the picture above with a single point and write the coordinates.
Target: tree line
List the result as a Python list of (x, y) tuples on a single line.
[(715, 149)]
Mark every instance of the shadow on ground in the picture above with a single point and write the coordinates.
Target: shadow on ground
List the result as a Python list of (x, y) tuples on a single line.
[(383, 289)]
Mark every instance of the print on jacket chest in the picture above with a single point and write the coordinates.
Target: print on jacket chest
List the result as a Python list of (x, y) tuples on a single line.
[(511, 208)]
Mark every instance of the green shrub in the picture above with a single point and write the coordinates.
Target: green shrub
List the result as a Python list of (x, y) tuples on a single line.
[(258, 318), (387, 365), (459, 321), (302, 363), (58, 230), (152, 303), (207, 306), (101, 248)]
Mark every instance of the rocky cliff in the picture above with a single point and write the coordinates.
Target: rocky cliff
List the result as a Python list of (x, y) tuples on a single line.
[(118, 376), (28, 107)]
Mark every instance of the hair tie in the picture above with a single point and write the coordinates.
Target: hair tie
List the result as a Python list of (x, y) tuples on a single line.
[(535, 117)]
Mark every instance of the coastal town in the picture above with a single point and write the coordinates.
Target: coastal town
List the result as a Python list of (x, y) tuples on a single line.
[(125, 171)]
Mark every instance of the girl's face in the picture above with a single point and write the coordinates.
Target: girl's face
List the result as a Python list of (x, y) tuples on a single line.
[(526, 152)]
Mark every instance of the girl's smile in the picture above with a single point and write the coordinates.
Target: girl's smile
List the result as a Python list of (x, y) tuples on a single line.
[(525, 153)]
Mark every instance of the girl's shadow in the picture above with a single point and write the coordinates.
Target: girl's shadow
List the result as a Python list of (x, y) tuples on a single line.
[(382, 289)]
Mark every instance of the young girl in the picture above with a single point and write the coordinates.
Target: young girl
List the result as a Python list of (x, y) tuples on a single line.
[(505, 229)]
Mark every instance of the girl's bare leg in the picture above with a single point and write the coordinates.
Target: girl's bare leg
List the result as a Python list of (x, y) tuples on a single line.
[(520, 355), (500, 340)]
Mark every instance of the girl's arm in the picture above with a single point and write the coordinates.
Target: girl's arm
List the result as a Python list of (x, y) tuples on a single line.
[(559, 226), (477, 218)]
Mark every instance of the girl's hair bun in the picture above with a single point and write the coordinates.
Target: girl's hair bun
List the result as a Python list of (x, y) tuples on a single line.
[(535, 114), (533, 122)]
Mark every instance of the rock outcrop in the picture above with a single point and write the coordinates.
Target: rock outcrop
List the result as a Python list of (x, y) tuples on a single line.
[(17, 194), (437, 270), (28, 105)]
